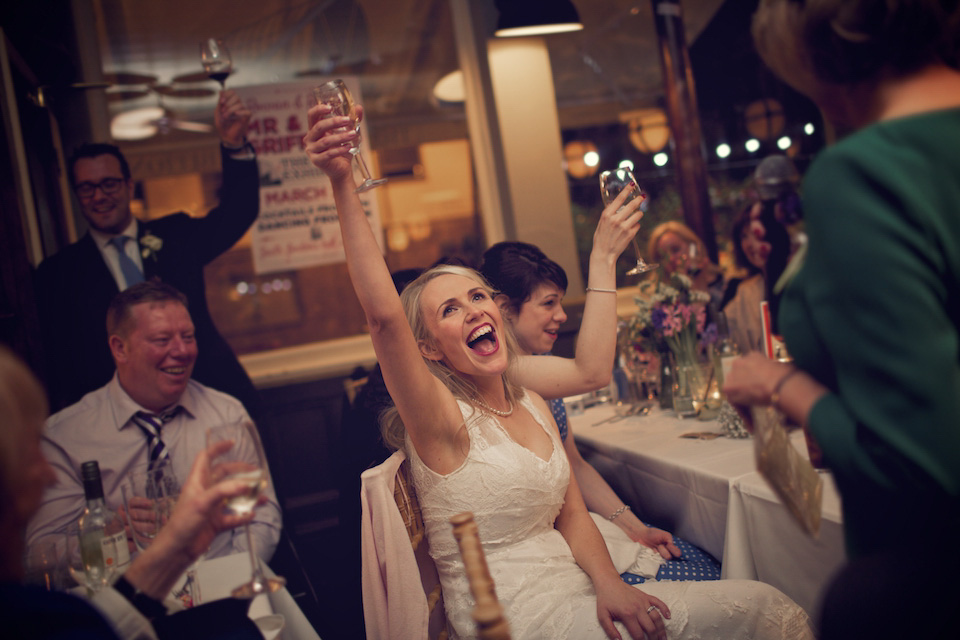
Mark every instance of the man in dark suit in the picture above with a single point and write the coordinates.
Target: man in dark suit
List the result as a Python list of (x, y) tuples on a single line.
[(75, 286)]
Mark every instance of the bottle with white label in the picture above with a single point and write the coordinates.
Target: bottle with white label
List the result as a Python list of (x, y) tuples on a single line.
[(103, 539)]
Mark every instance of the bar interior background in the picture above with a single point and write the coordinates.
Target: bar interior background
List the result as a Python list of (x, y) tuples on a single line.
[(515, 156)]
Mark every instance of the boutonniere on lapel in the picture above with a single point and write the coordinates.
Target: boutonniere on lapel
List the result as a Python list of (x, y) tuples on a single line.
[(151, 245)]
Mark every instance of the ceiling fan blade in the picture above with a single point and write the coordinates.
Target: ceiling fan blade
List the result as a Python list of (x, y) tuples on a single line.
[(126, 78), (170, 91), (186, 125)]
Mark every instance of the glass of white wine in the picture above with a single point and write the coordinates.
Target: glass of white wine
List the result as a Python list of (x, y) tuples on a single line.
[(244, 460), (336, 95), (611, 184)]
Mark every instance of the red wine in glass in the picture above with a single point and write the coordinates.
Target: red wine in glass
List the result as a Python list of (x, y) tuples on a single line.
[(219, 76), (216, 60)]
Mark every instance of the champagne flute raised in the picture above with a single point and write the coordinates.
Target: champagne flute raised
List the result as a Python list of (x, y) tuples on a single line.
[(244, 460), (336, 95), (216, 60), (611, 184)]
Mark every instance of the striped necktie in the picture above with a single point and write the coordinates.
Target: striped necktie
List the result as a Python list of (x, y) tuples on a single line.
[(151, 424)]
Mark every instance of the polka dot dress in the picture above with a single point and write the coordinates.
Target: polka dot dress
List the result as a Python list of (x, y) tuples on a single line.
[(695, 564)]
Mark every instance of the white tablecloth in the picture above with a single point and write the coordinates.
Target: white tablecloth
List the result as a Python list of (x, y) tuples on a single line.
[(708, 492), (764, 542), (220, 575)]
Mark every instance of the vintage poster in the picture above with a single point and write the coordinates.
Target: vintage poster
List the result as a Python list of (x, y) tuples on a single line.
[(297, 226)]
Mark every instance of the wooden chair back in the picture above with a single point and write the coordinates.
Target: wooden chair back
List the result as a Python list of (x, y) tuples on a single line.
[(487, 612), (406, 499)]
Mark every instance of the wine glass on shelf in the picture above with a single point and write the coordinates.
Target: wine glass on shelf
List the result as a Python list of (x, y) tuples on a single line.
[(216, 60), (611, 184), (336, 95), (243, 460)]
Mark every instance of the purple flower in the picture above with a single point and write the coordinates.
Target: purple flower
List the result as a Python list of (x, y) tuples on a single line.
[(709, 335), (658, 317)]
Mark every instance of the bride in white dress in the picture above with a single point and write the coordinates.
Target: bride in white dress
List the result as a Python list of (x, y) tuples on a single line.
[(478, 442)]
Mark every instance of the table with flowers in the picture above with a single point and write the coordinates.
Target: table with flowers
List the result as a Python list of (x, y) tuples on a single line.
[(707, 491)]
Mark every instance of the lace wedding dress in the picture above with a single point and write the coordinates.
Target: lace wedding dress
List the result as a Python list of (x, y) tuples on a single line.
[(515, 496)]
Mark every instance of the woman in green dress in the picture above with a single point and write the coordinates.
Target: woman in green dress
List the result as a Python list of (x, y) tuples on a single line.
[(872, 318)]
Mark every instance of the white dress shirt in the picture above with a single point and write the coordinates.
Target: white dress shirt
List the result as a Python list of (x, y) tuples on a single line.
[(99, 427), (112, 257)]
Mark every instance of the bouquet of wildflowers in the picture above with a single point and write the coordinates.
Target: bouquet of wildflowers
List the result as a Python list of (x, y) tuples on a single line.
[(672, 315)]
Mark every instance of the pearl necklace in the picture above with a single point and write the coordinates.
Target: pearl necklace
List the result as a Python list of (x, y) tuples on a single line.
[(499, 412)]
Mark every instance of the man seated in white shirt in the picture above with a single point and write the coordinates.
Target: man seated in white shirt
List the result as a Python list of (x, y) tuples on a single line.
[(151, 338), (131, 608)]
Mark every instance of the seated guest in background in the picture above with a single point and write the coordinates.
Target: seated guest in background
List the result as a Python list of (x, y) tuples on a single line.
[(75, 285), (477, 441), (872, 317), (761, 246), (530, 289), (150, 409), (132, 606), (677, 249)]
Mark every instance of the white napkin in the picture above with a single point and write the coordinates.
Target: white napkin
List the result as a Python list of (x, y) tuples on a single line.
[(628, 556)]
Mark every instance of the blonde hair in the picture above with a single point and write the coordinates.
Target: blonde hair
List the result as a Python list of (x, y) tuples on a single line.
[(672, 226), (391, 426), (23, 408)]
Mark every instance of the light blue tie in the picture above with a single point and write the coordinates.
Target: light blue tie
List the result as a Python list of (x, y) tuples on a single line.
[(131, 272)]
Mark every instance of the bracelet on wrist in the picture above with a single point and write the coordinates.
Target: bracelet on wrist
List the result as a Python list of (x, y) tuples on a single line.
[(601, 290), (619, 512), (775, 396), (244, 144)]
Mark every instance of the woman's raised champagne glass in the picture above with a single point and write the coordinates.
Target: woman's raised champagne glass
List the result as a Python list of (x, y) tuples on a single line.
[(336, 95), (611, 184), (216, 60), (243, 460)]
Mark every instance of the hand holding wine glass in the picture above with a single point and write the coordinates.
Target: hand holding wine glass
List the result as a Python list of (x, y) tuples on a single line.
[(150, 493), (147, 489), (243, 460), (336, 95), (611, 184), (216, 60)]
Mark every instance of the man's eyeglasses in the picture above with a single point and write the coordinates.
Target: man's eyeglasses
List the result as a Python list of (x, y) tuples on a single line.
[(107, 185)]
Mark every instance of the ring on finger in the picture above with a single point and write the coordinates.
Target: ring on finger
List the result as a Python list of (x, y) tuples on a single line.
[(652, 607)]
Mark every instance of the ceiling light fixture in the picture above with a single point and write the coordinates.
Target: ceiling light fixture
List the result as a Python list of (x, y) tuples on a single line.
[(536, 17), (450, 88)]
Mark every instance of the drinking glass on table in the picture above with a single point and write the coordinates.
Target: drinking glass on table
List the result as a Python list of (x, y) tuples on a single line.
[(216, 60), (41, 563), (243, 460), (335, 94), (611, 184), (87, 567)]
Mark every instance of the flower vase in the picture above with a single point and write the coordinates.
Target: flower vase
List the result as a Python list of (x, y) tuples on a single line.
[(666, 380), (688, 384)]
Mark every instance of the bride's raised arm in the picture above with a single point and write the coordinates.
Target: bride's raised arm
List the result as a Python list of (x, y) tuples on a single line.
[(592, 364), (428, 410)]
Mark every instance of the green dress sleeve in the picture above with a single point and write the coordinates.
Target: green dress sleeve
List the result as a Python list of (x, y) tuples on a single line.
[(873, 313)]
